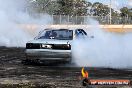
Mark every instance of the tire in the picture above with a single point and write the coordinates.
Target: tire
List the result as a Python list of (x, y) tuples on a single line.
[(29, 61)]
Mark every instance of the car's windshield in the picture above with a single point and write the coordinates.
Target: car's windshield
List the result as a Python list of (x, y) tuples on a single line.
[(61, 34)]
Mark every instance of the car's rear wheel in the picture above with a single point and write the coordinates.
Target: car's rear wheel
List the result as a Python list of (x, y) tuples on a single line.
[(28, 60)]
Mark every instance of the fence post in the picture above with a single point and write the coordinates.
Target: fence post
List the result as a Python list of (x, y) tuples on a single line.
[(52, 19), (76, 20), (68, 19), (60, 19)]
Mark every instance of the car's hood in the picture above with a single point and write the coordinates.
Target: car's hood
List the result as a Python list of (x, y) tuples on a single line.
[(51, 41)]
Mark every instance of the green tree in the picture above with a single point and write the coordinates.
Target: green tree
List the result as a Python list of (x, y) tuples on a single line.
[(126, 12), (99, 9), (72, 7), (130, 12), (65, 7)]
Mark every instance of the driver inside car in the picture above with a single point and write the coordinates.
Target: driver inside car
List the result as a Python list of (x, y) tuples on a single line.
[(54, 35)]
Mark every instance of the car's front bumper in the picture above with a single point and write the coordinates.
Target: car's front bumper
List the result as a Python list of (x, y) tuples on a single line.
[(48, 54)]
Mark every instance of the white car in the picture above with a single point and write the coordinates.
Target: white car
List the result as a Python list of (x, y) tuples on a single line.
[(52, 45)]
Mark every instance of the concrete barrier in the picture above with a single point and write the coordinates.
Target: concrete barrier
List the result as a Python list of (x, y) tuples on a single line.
[(32, 28), (110, 28)]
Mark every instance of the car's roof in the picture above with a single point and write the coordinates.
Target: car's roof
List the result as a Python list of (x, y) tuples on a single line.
[(56, 29)]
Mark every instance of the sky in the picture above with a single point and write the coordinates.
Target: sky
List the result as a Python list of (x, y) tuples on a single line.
[(116, 4)]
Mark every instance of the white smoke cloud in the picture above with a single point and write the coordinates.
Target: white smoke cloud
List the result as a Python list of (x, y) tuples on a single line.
[(13, 13), (104, 50)]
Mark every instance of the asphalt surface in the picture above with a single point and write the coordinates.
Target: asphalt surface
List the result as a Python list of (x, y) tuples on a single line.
[(13, 73)]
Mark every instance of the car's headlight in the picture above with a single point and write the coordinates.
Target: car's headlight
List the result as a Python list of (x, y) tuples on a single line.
[(46, 46)]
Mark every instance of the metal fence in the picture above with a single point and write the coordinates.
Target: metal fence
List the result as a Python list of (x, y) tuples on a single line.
[(62, 19)]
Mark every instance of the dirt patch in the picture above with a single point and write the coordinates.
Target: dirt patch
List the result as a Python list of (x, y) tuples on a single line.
[(14, 74)]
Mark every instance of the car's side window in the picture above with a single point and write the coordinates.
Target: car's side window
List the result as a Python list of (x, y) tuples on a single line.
[(80, 32)]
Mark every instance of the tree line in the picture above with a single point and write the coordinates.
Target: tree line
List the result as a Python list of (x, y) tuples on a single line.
[(77, 8)]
